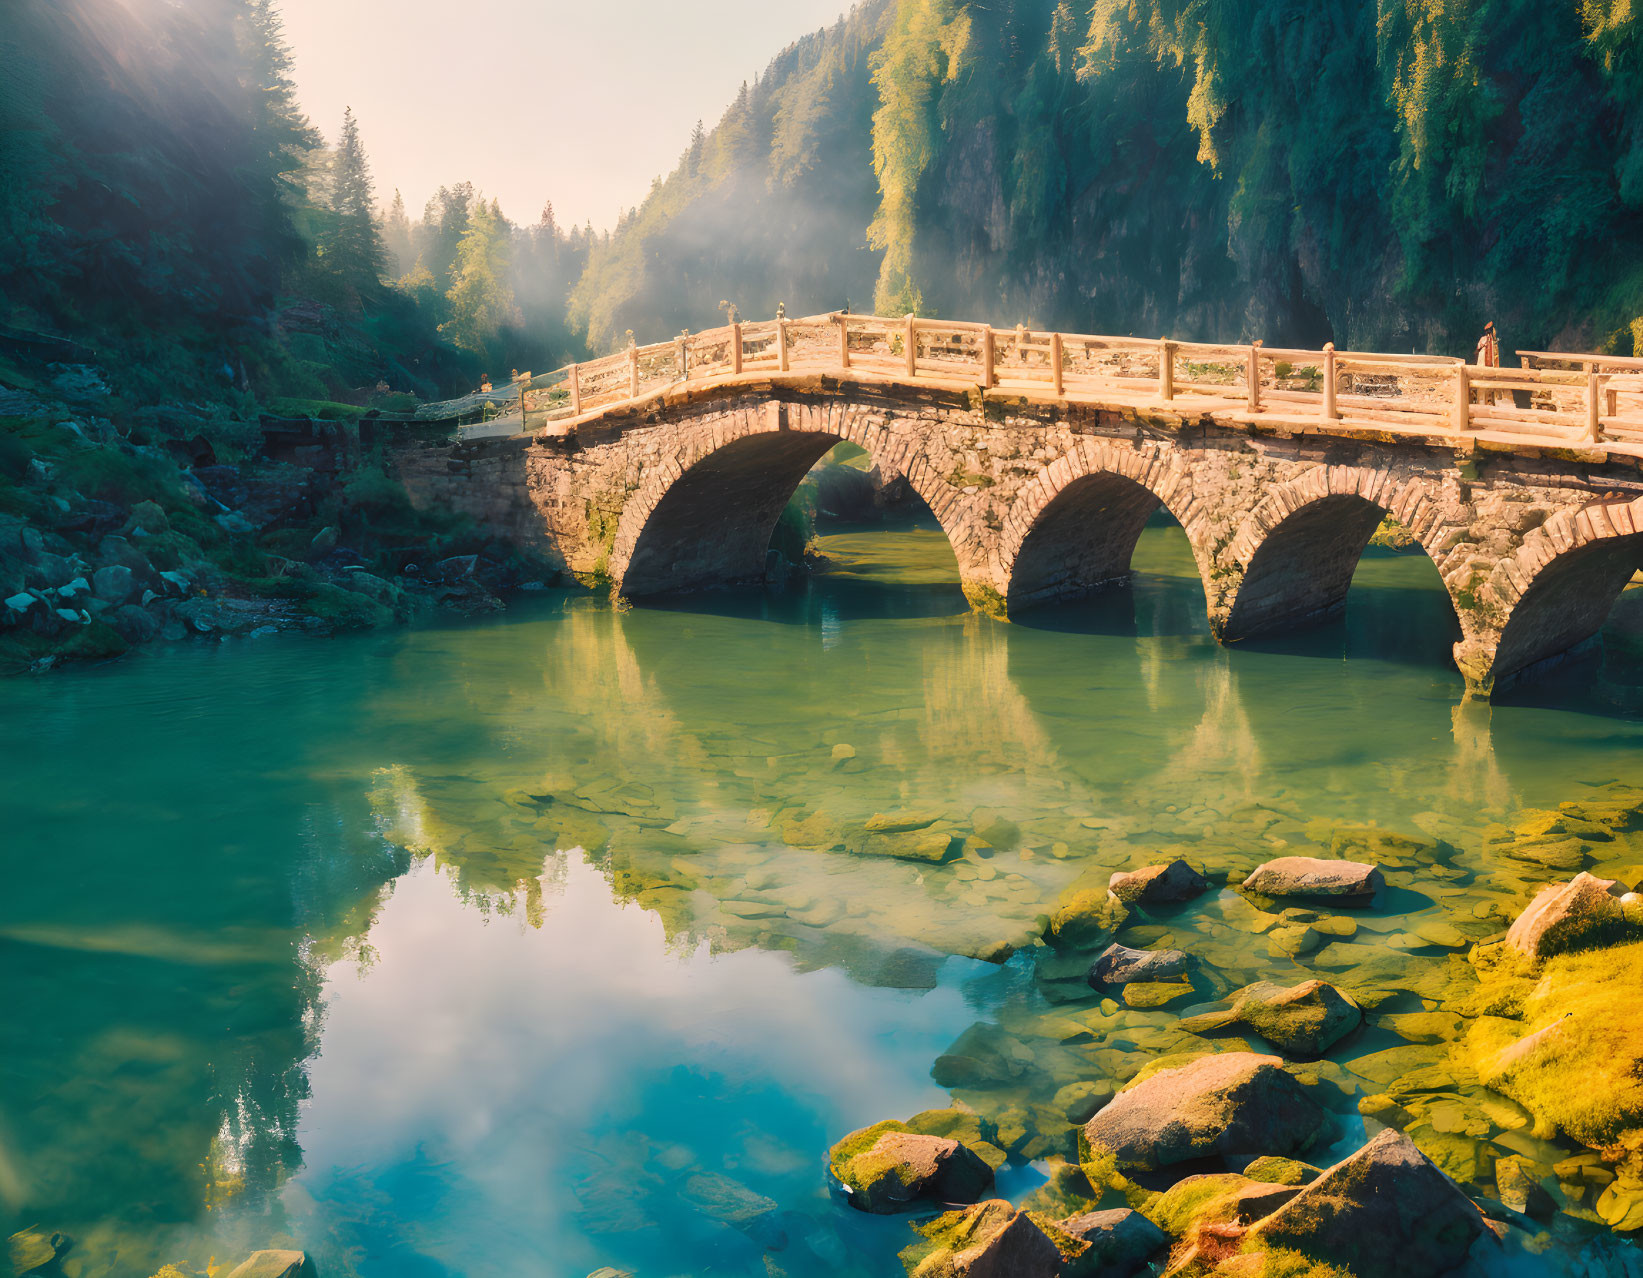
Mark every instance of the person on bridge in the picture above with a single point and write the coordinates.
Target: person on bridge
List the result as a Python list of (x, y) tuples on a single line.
[(1487, 355), (1488, 351)]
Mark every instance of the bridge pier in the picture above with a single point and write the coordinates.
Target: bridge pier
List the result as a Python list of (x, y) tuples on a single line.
[(1045, 500)]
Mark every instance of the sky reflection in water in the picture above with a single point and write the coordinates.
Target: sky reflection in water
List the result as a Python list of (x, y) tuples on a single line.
[(284, 933)]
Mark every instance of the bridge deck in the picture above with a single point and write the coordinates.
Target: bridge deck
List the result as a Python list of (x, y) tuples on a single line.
[(1594, 409), (1289, 419)]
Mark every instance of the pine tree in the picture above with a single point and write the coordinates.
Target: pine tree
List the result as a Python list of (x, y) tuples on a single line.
[(693, 156), (283, 136), (396, 238), (353, 248), (480, 297)]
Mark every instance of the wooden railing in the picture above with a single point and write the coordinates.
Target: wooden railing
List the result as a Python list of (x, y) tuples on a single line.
[(1598, 399)]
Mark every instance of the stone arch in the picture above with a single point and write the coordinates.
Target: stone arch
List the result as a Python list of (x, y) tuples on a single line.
[(703, 514), (1074, 528), (1294, 555), (1557, 589)]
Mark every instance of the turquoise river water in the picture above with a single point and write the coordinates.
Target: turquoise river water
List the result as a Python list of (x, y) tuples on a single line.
[(522, 947)]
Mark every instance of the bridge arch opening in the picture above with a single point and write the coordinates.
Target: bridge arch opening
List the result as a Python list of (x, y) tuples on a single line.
[(1083, 539), (1568, 602), (1302, 570), (712, 522)]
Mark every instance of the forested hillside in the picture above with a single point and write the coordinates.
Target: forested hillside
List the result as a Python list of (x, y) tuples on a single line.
[(1386, 173), (165, 204)]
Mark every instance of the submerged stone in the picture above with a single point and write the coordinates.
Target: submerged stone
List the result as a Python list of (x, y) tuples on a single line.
[(1314, 876), (1385, 1212), (1158, 884), (1521, 1191), (1120, 965), (274, 1264), (1303, 1020), (1230, 1103), (732, 1203), (33, 1249)]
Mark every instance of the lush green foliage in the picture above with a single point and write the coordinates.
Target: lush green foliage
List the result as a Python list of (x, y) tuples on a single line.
[(1383, 173)]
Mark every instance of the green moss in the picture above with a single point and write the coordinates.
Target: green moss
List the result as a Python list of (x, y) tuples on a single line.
[(984, 599), (1279, 1262), (1585, 1076), (1281, 1171), (1198, 1200), (963, 1125)]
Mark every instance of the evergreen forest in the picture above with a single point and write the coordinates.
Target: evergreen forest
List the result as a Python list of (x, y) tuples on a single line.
[(1382, 173)]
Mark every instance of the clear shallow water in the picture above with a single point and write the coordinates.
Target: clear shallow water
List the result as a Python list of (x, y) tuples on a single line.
[(300, 941)]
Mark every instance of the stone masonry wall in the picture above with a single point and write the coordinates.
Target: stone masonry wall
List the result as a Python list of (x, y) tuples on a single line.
[(684, 490)]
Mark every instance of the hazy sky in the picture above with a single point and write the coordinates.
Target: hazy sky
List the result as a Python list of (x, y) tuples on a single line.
[(581, 102)]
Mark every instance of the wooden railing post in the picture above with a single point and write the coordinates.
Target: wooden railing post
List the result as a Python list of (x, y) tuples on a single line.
[(575, 390), (987, 353), (844, 340), (1252, 376), (1329, 381), (633, 369), (1463, 398), (736, 347), (1166, 369), (1055, 364), (910, 341), (1594, 423), (781, 343), (681, 354)]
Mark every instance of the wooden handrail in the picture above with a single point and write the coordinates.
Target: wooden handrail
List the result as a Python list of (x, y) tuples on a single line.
[(1569, 403)]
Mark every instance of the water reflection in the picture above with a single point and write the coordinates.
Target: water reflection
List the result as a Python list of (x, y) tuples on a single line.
[(231, 990), (577, 1096)]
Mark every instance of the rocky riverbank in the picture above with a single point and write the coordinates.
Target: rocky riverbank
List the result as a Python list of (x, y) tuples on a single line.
[(116, 535), (1438, 1096)]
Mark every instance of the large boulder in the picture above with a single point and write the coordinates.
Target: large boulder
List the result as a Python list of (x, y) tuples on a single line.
[(1230, 1103), (1579, 914), (1314, 876), (1120, 1243), (902, 1168), (989, 1240), (274, 1264), (1158, 884), (1302, 1020), (1385, 1212)]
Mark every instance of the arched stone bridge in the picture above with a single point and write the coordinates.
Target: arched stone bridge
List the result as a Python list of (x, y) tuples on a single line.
[(1044, 499)]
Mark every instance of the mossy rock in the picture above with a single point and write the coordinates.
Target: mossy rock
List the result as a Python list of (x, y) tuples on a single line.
[(990, 1238), (1573, 1057), (1303, 1020), (1282, 1171), (963, 1125), (1086, 917)]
